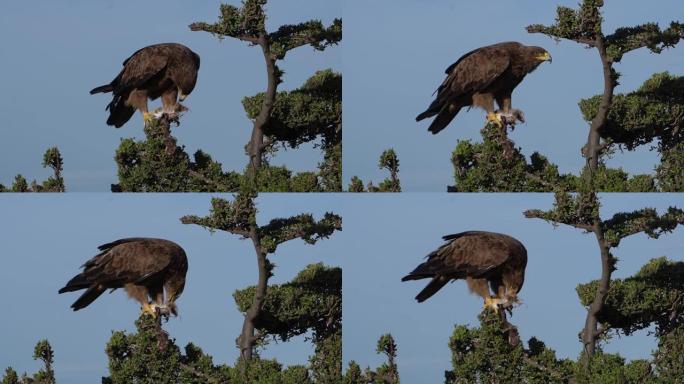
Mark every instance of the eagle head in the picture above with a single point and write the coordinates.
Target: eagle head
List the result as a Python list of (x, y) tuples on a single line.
[(541, 54)]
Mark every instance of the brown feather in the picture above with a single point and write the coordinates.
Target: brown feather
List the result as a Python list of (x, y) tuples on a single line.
[(473, 255), (150, 265), (479, 77), (156, 70)]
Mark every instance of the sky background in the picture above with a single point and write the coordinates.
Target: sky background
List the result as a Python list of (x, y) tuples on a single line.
[(50, 236), (395, 54), (387, 236), (53, 58)]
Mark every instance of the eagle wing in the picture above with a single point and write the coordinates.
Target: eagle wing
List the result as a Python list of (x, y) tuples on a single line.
[(125, 261), (142, 66), (473, 72), (132, 260), (464, 254)]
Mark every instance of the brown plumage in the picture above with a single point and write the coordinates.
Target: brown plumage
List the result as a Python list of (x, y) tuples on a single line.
[(167, 70), (481, 76), (481, 258), (144, 267)]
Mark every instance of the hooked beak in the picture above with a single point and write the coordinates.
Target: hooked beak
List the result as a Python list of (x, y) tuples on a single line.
[(182, 97), (545, 57)]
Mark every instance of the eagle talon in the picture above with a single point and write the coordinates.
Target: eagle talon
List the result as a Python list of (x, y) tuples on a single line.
[(496, 118), (148, 117), (493, 303), (149, 309)]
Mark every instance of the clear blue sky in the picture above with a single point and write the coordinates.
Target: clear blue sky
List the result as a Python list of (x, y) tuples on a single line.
[(395, 54), (45, 238), (385, 237), (55, 52)]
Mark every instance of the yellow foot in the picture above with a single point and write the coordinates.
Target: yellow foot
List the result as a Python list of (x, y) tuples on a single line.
[(148, 309), (147, 117), (492, 303), (495, 118)]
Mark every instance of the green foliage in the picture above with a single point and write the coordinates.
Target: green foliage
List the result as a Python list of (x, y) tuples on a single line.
[(303, 226), (312, 301), (306, 113), (669, 357), (584, 26), (301, 116), (290, 118), (484, 355), (51, 159), (138, 357), (248, 23), (261, 371), (280, 179), (230, 216), (644, 220), (495, 165), (651, 297), (326, 363), (354, 374), (313, 33), (581, 209), (386, 373), (10, 376), (157, 164), (388, 161), (330, 173), (148, 356), (616, 180), (611, 368), (356, 185), (671, 168), (654, 111), (46, 375), (20, 184), (655, 295), (249, 20)]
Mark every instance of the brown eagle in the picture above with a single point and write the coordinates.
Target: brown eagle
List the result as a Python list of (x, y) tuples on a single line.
[(481, 76), (167, 70), (144, 267), (483, 259)]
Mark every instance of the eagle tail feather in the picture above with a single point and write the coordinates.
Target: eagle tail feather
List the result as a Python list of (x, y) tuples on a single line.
[(102, 89), (87, 297), (416, 276), (443, 119), (435, 285), (76, 283), (428, 113), (119, 112)]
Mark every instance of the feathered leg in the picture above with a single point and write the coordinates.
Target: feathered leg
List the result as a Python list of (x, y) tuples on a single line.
[(139, 293), (481, 287)]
